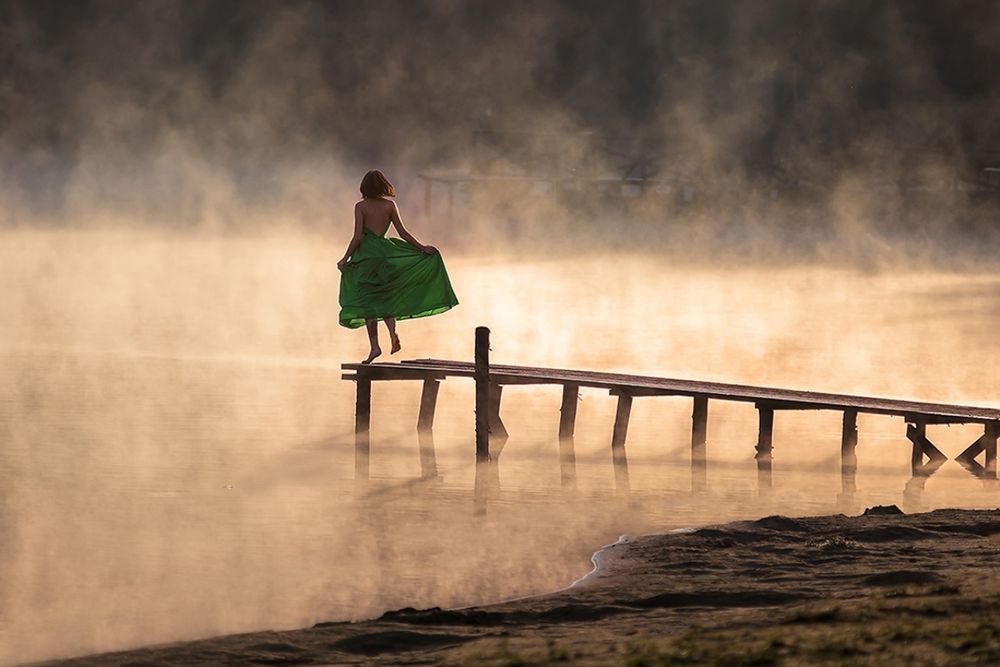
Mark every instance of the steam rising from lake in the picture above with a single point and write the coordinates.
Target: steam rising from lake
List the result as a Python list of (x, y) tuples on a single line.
[(178, 457), (769, 193)]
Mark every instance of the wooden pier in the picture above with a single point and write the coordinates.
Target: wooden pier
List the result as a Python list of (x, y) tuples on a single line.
[(491, 379)]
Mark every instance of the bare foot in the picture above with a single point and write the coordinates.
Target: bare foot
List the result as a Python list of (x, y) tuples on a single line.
[(396, 347), (376, 351)]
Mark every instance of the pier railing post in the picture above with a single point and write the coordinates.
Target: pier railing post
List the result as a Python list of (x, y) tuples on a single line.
[(482, 377)]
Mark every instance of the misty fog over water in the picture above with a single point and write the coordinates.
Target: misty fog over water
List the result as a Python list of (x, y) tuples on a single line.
[(779, 193), (179, 458)]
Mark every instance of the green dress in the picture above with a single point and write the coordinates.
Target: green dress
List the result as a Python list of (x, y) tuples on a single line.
[(388, 277)]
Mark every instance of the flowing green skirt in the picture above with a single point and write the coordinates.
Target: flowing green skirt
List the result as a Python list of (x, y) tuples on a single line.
[(388, 277)]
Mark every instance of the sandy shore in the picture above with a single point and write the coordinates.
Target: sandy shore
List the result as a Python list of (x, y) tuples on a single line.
[(879, 589)]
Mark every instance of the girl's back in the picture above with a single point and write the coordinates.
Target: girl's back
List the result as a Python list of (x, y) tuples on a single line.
[(376, 214)]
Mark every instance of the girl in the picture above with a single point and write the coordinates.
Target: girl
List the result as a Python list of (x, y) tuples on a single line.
[(388, 279)]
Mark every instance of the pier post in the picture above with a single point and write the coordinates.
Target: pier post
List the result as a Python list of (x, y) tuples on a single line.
[(425, 428), (991, 435), (916, 433), (482, 377), (567, 412), (567, 429), (848, 455), (765, 434), (362, 427), (428, 403), (618, 441), (699, 441)]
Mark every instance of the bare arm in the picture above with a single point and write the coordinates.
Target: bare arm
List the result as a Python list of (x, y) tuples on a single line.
[(405, 234), (359, 231)]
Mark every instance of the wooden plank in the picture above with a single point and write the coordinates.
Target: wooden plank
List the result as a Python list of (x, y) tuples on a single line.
[(619, 389), (482, 375), (784, 399), (428, 404), (362, 429), (387, 371), (567, 411)]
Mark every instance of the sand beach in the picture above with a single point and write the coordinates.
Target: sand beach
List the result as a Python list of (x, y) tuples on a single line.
[(875, 589)]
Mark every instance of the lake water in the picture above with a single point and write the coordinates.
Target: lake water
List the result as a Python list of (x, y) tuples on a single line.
[(177, 451)]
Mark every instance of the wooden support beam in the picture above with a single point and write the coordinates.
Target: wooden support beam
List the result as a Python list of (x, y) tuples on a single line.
[(362, 428), (428, 403), (986, 444), (621, 422), (972, 451), (917, 434), (642, 391), (618, 442), (848, 455), (567, 411), (699, 443), (991, 435), (765, 431), (482, 376), (765, 435), (497, 429)]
